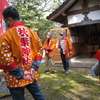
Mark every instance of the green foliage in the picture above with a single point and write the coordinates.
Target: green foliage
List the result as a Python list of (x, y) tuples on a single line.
[(33, 13)]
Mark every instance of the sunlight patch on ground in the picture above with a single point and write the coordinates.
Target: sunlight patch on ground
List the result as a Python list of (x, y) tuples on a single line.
[(48, 76), (72, 60), (76, 93), (70, 95), (91, 77), (1, 70)]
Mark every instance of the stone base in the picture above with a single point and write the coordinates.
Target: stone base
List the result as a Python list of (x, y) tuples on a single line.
[(3, 88), (81, 61)]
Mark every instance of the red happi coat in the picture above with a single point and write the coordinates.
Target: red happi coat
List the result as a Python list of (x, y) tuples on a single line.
[(67, 46), (19, 46), (97, 55)]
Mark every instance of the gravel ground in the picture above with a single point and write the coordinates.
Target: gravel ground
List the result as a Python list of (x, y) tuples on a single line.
[(6, 98), (3, 88)]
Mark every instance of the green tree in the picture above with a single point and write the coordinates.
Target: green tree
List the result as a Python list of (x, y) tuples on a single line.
[(33, 13)]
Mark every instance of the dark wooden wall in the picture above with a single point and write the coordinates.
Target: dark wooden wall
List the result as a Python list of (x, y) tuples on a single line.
[(88, 35)]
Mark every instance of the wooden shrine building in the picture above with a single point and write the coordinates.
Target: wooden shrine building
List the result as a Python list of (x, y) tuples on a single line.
[(80, 20)]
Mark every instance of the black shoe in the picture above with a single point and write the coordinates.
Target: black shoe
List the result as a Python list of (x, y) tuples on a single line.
[(53, 72), (46, 71)]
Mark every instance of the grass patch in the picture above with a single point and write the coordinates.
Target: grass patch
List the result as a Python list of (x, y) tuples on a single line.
[(77, 85), (1, 95)]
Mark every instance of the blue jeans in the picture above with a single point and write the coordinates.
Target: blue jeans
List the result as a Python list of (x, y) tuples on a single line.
[(33, 88), (65, 61)]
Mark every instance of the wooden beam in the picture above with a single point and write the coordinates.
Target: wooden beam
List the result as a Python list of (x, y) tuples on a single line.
[(60, 19), (63, 9), (80, 10), (84, 23), (58, 29)]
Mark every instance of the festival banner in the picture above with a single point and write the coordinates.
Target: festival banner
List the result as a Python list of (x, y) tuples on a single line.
[(3, 4)]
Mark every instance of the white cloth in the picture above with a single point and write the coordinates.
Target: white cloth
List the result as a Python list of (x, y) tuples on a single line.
[(63, 45)]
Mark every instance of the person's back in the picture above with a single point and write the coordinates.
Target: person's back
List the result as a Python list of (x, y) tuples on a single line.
[(23, 44), (21, 54)]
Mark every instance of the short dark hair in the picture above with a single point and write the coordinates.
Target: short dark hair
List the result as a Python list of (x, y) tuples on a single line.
[(11, 12)]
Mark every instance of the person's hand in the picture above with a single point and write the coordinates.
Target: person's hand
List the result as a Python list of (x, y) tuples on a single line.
[(27, 76), (46, 52), (70, 52), (32, 73)]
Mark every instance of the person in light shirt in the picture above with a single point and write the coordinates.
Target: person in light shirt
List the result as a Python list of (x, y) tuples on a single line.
[(65, 46)]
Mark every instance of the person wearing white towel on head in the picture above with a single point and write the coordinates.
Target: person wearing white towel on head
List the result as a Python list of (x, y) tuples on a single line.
[(65, 46)]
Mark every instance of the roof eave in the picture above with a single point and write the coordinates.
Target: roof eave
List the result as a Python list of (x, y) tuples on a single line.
[(61, 9)]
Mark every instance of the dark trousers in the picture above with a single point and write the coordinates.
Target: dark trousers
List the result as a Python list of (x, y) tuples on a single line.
[(33, 88), (65, 61)]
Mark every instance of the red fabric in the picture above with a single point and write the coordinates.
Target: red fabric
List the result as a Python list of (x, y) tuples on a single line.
[(0, 27), (47, 54), (3, 4), (51, 49), (13, 65), (67, 54), (70, 49), (38, 58), (48, 44), (48, 48), (17, 24), (45, 48), (97, 55)]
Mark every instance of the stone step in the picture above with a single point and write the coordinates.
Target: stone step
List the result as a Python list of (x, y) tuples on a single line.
[(75, 64), (78, 64), (81, 61)]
